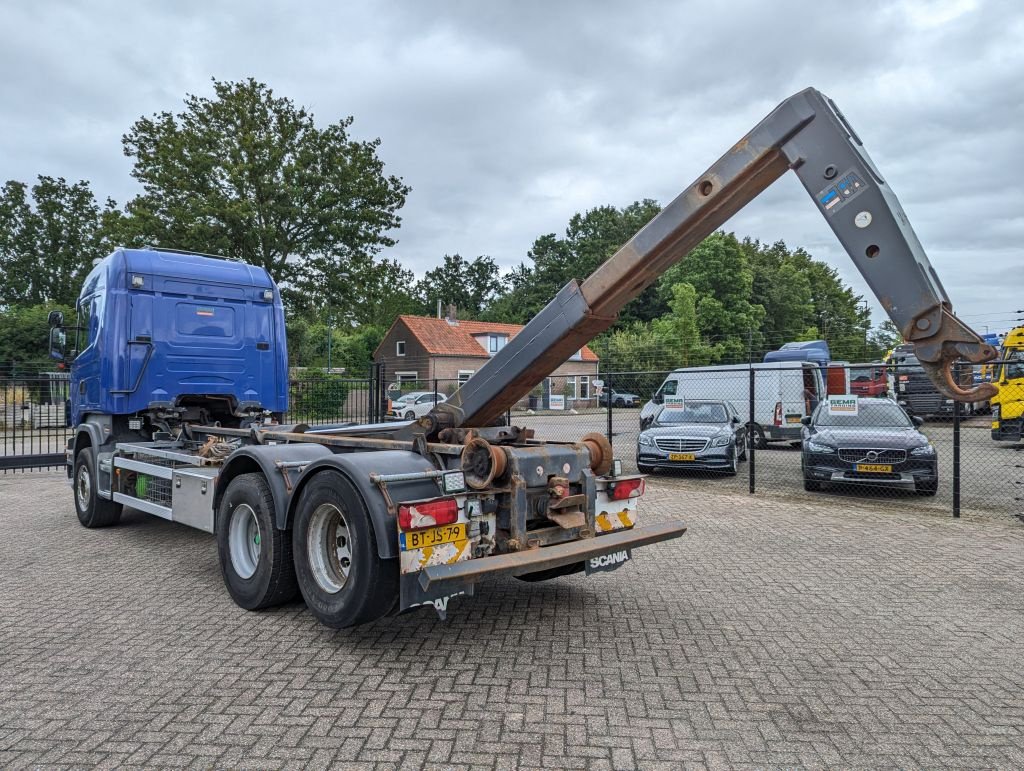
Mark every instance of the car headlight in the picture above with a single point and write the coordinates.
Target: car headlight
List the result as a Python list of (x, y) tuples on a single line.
[(923, 450), (646, 440), (823, 448), (721, 441)]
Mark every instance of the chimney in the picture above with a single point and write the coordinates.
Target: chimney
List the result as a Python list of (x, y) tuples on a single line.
[(451, 315), (439, 307)]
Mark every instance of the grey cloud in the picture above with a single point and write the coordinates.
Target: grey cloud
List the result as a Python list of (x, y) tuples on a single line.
[(508, 118)]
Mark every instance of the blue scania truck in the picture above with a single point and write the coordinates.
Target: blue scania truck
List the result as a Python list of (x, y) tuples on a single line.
[(179, 395)]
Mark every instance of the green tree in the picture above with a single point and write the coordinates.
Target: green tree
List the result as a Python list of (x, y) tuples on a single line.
[(249, 175), (49, 237), (24, 334), (719, 271), (469, 285), (883, 339), (590, 239)]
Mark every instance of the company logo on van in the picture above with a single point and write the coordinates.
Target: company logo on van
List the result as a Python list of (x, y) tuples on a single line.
[(204, 311)]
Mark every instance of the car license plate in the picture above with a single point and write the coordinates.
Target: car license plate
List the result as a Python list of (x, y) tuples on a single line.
[(681, 456), (435, 536), (793, 418), (874, 468)]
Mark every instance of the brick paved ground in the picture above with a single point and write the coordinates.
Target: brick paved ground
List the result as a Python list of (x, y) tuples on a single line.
[(769, 635)]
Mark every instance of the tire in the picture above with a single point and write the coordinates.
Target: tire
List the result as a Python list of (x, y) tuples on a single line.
[(547, 575), (643, 469), (410, 415), (811, 485), (255, 557), (92, 510), (743, 448), (760, 442), (619, 403), (927, 488), (341, 576)]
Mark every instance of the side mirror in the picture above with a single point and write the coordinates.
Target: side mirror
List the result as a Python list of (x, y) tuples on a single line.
[(645, 423), (736, 419), (58, 343), (917, 421), (55, 319), (806, 420), (656, 397)]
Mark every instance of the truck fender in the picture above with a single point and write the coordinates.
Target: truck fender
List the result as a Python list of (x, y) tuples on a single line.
[(357, 467), (264, 459), (88, 433)]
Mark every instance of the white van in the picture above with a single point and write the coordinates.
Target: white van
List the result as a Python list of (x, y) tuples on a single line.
[(784, 392)]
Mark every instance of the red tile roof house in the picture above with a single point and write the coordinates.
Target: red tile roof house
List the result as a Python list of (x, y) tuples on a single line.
[(420, 349)]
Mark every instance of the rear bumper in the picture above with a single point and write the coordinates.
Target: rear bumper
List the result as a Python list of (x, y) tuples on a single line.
[(533, 560)]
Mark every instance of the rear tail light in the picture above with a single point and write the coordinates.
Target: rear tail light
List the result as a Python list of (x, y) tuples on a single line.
[(904, 378), (416, 516), (628, 488), (778, 413)]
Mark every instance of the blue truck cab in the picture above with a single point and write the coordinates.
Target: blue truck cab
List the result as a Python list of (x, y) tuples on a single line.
[(169, 335)]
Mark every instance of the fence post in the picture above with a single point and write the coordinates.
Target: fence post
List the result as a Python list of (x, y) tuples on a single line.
[(435, 392), (751, 449), (956, 459), (608, 391)]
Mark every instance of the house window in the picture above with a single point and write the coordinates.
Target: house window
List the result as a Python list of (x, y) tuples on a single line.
[(578, 356), (464, 375), (400, 348), (492, 343), (584, 392), (406, 377)]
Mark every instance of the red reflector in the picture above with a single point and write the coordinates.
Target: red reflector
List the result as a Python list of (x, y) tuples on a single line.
[(629, 488), (416, 516), (904, 378), (778, 413)]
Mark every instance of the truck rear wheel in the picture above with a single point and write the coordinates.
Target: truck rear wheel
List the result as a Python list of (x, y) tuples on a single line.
[(255, 557), (92, 510), (341, 576)]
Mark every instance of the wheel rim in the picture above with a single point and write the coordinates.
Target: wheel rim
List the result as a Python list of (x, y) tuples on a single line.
[(329, 548), (83, 488), (410, 415), (244, 540)]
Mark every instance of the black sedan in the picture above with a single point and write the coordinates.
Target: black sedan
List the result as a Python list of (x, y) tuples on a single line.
[(705, 435), (877, 444)]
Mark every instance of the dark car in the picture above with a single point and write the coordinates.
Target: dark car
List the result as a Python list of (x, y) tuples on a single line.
[(698, 434), (877, 445), (618, 399)]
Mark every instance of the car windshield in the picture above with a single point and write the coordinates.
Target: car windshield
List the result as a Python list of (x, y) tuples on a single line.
[(406, 398), (865, 373), (869, 415), (693, 412), (1014, 366)]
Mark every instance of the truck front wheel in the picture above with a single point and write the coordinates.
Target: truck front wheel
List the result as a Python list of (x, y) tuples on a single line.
[(255, 557), (341, 576), (92, 510)]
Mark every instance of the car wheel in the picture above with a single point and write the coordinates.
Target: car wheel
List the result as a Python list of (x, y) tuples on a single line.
[(410, 415), (619, 403), (927, 488), (255, 557), (92, 510), (341, 575), (811, 485), (742, 441), (760, 442)]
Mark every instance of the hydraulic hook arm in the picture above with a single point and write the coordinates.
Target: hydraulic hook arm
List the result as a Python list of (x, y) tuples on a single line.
[(808, 134)]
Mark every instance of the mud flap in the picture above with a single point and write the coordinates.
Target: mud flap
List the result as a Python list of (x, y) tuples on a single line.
[(438, 596), (605, 563)]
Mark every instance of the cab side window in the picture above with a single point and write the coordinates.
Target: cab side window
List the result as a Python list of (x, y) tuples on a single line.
[(85, 329)]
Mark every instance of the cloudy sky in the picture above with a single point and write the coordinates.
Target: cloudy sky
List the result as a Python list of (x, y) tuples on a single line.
[(508, 118)]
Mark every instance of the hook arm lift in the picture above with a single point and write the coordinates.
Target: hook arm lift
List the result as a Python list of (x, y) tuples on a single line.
[(808, 134)]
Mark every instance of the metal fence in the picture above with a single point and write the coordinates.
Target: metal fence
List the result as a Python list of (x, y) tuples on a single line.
[(948, 464), (964, 471)]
